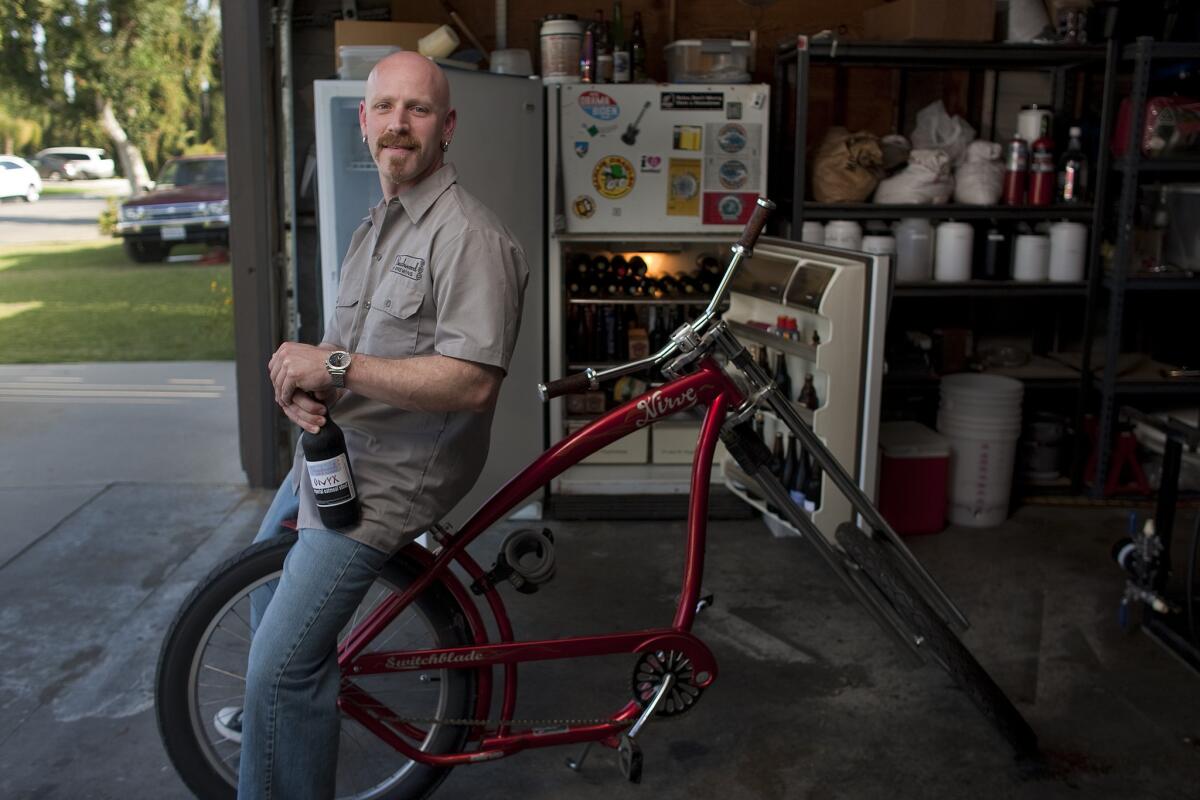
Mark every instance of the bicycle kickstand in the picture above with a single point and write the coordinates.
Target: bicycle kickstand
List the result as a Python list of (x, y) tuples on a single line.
[(628, 753)]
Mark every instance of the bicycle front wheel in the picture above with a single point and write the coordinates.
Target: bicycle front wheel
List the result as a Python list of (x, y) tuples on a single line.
[(202, 669), (937, 639)]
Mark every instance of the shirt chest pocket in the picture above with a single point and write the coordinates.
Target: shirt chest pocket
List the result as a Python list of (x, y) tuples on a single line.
[(393, 318)]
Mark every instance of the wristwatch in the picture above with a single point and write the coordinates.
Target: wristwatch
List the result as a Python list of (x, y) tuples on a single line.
[(337, 364)]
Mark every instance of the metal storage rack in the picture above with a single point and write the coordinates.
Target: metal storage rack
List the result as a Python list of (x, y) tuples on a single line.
[(981, 61), (1132, 165)]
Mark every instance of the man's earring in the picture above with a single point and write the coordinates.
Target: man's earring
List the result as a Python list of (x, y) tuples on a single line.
[(364, 140), (445, 146)]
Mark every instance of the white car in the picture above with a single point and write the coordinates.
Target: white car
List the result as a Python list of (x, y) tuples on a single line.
[(77, 162), (19, 179)]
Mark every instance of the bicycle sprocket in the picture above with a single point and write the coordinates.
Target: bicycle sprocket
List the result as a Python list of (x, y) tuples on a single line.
[(648, 675)]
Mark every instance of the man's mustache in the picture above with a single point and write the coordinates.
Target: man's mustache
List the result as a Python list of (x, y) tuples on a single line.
[(397, 140)]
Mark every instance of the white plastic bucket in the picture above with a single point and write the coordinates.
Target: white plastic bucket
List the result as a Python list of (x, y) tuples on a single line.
[(981, 417)]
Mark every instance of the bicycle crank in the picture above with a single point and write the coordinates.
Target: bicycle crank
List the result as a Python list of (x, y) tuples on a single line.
[(648, 675)]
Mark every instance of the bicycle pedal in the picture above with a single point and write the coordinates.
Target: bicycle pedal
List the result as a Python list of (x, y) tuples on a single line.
[(629, 758)]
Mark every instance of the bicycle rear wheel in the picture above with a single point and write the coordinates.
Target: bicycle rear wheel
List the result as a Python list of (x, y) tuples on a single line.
[(937, 639), (202, 669)]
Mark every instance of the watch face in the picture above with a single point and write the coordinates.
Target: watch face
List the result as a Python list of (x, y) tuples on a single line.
[(339, 359)]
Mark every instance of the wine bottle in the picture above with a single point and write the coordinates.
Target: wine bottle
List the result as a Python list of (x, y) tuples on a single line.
[(620, 49), (637, 49), (788, 476), (783, 381), (331, 476), (808, 393), (799, 478), (812, 484), (777, 456)]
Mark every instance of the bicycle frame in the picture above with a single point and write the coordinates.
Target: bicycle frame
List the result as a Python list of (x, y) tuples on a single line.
[(708, 386)]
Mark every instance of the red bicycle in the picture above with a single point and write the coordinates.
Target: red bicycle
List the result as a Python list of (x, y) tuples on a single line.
[(418, 663)]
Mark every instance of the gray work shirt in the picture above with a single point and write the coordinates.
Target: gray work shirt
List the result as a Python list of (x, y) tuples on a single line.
[(430, 272)]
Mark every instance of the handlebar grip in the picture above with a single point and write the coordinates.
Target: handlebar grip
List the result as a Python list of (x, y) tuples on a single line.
[(572, 384), (755, 224)]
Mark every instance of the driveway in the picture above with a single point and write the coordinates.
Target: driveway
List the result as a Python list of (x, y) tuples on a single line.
[(51, 219)]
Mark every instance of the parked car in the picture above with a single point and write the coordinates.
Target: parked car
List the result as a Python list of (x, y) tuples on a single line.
[(189, 203), (19, 179), (75, 162)]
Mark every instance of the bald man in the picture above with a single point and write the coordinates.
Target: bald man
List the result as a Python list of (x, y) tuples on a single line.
[(424, 325)]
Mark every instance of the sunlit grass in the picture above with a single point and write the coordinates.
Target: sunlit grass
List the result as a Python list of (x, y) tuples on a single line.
[(88, 302)]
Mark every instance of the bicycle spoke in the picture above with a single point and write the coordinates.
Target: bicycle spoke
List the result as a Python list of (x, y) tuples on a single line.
[(221, 627), (234, 675)]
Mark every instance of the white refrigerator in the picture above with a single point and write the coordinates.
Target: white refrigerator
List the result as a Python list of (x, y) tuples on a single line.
[(662, 158), (499, 153)]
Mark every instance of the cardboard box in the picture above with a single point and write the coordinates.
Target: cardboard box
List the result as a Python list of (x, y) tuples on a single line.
[(631, 449), (932, 20), (674, 442), (404, 35)]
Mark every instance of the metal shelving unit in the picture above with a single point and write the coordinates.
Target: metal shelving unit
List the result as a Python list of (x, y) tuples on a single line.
[(978, 60), (1132, 165)]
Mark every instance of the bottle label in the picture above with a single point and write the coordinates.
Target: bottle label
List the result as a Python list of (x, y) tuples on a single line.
[(620, 66), (331, 482)]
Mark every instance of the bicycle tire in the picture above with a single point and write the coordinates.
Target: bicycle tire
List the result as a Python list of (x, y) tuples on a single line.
[(938, 640), (181, 723)]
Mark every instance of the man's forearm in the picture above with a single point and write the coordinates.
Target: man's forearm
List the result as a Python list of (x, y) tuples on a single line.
[(425, 383)]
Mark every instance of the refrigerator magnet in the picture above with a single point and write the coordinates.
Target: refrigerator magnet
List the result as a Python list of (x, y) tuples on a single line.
[(584, 206), (652, 164), (598, 105), (613, 177), (688, 137), (581, 149), (732, 138), (729, 208)]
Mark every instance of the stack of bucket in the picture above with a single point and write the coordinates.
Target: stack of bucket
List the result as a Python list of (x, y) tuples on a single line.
[(981, 416)]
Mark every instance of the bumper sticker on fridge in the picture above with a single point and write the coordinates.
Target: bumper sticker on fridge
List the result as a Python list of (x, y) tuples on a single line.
[(652, 163), (728, 208), (743, 139), (683, 187), (692, 101), (687, 137), (581, 149), (599, 105), (732, 174), (613, 177)]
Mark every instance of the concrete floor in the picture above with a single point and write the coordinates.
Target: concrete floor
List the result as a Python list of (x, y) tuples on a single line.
[(813, 701)]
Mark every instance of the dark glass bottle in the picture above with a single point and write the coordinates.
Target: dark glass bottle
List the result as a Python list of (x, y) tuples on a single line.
[(812, 484), (764, 360), (799, 478), (620, 47), (331, 476), (604, 57), (808, 393), (610, 333), (777, 456), (783, 381), (600, 268), (788, 476), (637, 49)]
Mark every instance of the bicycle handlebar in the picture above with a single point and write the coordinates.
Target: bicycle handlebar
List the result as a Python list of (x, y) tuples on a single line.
[(590, 378)]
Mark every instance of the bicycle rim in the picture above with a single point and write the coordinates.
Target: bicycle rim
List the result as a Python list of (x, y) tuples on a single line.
[(368, 768)]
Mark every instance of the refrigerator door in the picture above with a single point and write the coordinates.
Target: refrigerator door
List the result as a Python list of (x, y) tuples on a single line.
[(661, 158), (499, 154)]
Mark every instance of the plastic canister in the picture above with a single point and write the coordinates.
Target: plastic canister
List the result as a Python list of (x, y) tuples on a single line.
[(561, 37), (812, 232), (1031, 257), (913, 477), (439, 44), (844, 233), (1068, 243), (878, 243), (952, 259), (914, 250)]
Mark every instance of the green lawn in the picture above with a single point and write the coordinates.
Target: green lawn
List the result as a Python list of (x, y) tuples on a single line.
[(62, 303)]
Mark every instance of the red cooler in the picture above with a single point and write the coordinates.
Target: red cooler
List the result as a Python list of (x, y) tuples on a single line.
[(913, 474)]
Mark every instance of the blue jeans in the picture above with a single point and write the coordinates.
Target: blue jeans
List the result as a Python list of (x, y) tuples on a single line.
[(285, 506), (290, 722)]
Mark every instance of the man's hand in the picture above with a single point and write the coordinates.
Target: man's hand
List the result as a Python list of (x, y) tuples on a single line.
[(302, 383)]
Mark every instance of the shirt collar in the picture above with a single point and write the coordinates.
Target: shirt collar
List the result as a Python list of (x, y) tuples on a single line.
[(420, 198)]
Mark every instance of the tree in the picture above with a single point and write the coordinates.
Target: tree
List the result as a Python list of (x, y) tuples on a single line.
[(139, 73)]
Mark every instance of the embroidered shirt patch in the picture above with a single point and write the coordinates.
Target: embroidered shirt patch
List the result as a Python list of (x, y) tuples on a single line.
[(409, 266)]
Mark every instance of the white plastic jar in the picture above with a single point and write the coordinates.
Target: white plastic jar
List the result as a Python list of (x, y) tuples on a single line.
[(914, 250), (844, 233), (952, 251), (562, 38)]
